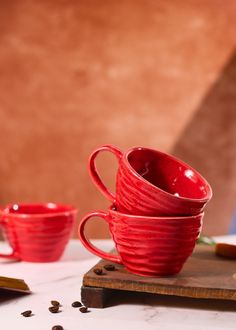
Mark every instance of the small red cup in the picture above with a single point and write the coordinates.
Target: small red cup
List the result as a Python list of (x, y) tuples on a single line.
[(37, 232), (149, 246), (150, 182)]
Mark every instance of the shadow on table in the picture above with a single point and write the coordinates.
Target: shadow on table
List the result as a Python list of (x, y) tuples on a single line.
[(8, 261), (155, 300), (7, 296)]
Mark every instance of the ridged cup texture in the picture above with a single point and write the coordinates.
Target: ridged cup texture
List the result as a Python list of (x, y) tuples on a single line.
[(39, 237), (154, 247), (148, 246), (153, 183)]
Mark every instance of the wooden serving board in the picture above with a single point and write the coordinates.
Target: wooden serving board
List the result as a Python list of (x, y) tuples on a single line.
[(204, 275), (13, 284)]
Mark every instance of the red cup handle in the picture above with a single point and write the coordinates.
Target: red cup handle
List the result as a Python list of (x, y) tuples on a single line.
[(94, 173), (89, 245), (12, 255)]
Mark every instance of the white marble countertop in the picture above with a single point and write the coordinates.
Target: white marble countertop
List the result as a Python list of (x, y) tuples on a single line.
[(62, 281)]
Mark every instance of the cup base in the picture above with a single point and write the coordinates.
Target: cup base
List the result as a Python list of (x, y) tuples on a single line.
[(42, 258), (150, 273)]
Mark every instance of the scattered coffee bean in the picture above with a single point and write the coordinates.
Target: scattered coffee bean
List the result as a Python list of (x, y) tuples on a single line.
[(55, 303), (76, 304), (98, 271), (109, 267), (27, 313), (83, 309), (57, 327), (53, 309)]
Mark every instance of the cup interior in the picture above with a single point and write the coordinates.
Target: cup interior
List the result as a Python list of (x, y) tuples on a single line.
[(37, 209), (168, 173)]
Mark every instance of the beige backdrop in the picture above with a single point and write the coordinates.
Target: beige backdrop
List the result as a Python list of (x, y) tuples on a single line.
[(78, 74)]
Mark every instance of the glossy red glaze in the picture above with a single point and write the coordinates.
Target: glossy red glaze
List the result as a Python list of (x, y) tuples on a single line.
[(37, 232), (149, 246), (150, 182)]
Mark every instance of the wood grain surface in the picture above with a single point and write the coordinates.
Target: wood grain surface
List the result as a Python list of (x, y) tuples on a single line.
[(204, 275), (13, 284)]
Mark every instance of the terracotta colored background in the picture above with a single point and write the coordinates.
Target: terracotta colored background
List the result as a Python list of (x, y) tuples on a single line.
[(78, 74)]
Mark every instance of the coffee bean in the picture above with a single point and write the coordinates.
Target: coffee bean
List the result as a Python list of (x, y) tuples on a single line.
[(53, 309), (76, 304), (109, 267), (98, 271), (55, 303), (83, 309), (27, 313), (57, 327)]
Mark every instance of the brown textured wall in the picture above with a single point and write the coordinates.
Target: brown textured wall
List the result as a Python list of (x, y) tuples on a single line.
[(78, 74), (209, 144)]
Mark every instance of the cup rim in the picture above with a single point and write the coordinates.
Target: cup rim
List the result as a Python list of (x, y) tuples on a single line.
[(181, 198), (69, 209), (159, 217)]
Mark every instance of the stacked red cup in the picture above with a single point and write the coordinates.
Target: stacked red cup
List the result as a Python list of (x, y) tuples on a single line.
[(156, 213)]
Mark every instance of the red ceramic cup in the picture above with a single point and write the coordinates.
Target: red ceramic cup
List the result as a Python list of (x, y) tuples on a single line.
[(149, 246), (150, 182), (37, 232)]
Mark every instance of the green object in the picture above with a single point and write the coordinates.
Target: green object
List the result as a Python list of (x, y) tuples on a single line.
[(206, 240)]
